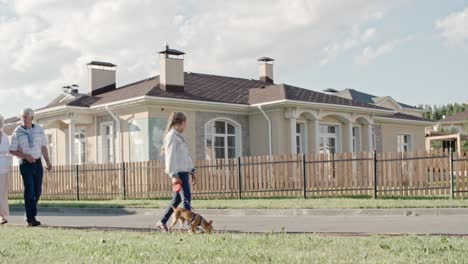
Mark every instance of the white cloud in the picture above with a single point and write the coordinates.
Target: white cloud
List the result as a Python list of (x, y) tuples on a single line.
[(370, 53), (46, 43), (356, 38), (454, 27)]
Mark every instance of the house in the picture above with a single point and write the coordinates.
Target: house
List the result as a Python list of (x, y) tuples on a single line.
[(452, 131), (383, 101), (227, 117)]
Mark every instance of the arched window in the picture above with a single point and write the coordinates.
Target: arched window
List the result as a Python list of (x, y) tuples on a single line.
[(222, 139)]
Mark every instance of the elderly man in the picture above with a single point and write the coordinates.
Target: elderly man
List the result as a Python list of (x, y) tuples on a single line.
[(29, 144)]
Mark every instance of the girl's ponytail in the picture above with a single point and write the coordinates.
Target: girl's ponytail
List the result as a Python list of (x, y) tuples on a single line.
[(174, 119)]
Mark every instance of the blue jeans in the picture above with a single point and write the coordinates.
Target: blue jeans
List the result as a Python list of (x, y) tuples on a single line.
[(183, 196), (32, 180)]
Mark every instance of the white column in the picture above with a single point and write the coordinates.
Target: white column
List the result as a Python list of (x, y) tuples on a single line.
[(292, 128), (370, 146), (350, 137), (316, 136), (71, 142)]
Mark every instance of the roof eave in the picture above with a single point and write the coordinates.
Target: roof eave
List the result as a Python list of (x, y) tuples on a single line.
[(289, 102), (406, 121)]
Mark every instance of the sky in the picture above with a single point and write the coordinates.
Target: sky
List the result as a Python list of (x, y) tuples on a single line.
[(413, 50)]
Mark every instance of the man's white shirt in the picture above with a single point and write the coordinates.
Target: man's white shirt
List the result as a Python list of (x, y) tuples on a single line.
[(20, 141)]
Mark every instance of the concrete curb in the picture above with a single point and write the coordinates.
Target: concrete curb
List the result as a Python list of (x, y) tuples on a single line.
[(260, 212), (337, 234)]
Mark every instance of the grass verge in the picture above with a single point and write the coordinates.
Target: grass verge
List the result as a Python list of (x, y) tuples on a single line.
[(27, 245), (319, 203)]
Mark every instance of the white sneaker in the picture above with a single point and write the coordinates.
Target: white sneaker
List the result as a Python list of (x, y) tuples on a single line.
[(162, 227)]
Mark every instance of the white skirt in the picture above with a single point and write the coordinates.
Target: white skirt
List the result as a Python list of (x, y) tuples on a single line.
[(4, 184)]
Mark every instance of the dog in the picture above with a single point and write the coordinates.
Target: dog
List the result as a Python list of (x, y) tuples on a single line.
[(194, 220)]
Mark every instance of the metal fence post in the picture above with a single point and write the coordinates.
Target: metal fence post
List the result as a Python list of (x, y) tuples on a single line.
[(124, 180), (239, 177), (375, 174), (304, 176), (77, 180), (452, 176)]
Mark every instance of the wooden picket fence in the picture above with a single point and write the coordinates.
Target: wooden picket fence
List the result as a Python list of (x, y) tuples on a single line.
[(324, 175)]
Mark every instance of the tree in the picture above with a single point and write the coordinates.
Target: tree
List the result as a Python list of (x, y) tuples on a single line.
[(437, 112)]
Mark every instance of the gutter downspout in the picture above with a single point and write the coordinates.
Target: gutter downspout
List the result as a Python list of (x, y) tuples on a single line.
[(269, 129), (120, 141), (269, 144)]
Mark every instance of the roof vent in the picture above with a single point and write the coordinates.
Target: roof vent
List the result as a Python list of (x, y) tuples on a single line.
[(330, 90), (70, 89)]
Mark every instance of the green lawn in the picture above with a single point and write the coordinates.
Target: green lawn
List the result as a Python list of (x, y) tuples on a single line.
[(30, 245), (267, 203)]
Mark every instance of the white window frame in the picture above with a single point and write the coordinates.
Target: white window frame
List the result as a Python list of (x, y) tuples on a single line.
[(401, 145), (301, 148), (357, 139), (238, 137), (337, 135), (105, 158), (79, 149)]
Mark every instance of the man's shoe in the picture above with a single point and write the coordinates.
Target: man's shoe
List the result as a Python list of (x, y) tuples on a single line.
[(3, 221), (34, 223), (162, 227)]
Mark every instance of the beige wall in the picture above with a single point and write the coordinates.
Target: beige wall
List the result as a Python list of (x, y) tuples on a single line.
[(126, 117), (189, 133), (257, 130), (390, 131), (58, 143), (391, 105), (281, 133), (258, 127), (388, 103)]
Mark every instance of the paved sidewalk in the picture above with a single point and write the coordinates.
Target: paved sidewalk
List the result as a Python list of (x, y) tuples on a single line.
[(261, 212), (454, 224)]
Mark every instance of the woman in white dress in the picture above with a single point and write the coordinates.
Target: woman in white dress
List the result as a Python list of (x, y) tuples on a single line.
[(5, 165)]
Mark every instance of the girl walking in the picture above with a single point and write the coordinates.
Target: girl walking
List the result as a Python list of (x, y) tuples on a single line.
[(178, 166)]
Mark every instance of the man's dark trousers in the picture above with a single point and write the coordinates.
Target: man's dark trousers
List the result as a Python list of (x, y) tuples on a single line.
[(32, 180)]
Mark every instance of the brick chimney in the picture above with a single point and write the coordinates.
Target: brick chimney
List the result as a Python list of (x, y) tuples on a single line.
[(171, 78), (101, 77), (265, 70)]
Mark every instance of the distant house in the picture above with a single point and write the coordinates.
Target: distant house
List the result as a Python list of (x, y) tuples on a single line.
[(452, 131), (227, 117)]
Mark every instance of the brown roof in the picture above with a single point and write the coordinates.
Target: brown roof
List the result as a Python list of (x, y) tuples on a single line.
[(212, 88), (202, 87), (407, 117), (458, 117), (284, 91)]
